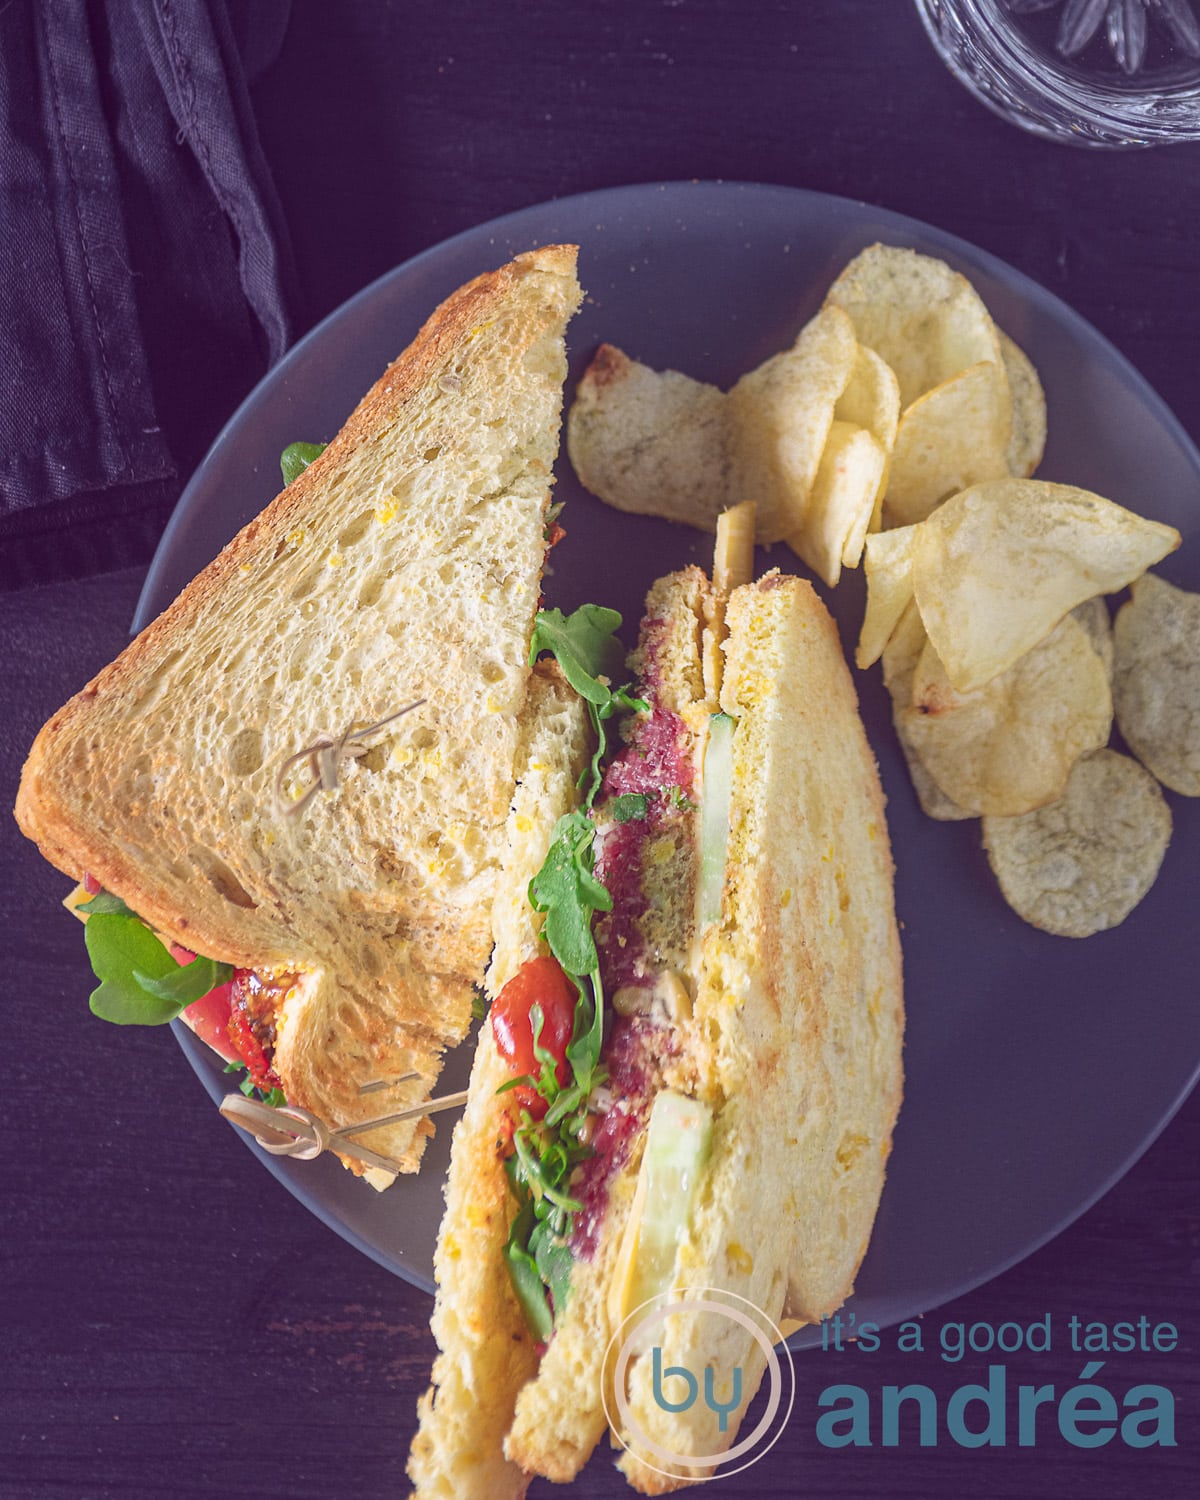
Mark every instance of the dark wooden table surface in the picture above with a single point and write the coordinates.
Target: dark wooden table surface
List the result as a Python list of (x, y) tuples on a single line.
[(171, 1321)]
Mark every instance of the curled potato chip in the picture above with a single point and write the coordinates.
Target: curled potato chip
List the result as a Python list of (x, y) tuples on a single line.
[(1028, 441), (1092, 614), (925, 320), (1156, 681), (780, 415), (1081, 864), (840, 503), (650, 442), (900, 658), (871, 398), (888, 566), (997, 566), (1008, 747), (954, 436)]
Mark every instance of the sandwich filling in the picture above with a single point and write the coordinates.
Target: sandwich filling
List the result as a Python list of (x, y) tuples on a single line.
[(644, 856), (146, 981)]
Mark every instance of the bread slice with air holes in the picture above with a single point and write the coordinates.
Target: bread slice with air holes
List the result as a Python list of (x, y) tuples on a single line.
[(404, 564), (487, 1351), (792, 1039)]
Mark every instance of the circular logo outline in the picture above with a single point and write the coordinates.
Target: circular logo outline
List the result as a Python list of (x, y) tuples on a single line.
[(694, 1299)]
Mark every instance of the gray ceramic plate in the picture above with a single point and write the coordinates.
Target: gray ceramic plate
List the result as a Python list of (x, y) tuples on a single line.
[(1038, 1068)]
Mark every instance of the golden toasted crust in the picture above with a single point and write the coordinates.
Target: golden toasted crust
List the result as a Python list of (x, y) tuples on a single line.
[(487, 1353), (795, 1033), (404, 564), (64, 838), (798, 1012)]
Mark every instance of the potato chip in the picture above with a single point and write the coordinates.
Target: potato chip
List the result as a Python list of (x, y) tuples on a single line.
[(1156, 681), (648, 442), (925, 320), (900, 658), (1009, 746), (1081, 864), (872, 398), (888, 566), (953, 436), (1093, 615), (780, 415), (841, 502), (1028, 439), (997, 566)]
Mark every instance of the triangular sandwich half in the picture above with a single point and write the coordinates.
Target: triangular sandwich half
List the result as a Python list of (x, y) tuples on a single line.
[(402, 565)]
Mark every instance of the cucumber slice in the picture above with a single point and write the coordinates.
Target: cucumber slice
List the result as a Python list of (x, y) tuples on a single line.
[(714, 818), (678, 1139)]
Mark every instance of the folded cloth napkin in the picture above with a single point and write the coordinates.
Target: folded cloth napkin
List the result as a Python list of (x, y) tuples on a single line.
[(145, 270)]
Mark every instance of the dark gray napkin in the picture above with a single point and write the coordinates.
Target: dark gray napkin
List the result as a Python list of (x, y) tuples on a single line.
[(145, 270)]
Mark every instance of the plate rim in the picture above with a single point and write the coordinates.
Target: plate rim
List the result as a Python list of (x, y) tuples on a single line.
[(907, 228)]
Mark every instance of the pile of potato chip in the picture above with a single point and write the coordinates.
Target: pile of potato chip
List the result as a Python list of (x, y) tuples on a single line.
[(899, 392), (901, 429)]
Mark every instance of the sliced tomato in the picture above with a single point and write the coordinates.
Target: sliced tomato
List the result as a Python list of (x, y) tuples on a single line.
[(247, 989), (540, 981), (209, 1019)]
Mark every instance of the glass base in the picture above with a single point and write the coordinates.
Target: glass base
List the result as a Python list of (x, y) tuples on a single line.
[(986, 48)]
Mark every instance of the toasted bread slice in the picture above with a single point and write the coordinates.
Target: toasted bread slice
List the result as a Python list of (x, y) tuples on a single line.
[(799, 1012), (402, 565), (794, 1040), (487, 1352)]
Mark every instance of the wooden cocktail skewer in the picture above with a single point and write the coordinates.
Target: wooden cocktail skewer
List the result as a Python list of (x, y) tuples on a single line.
[(289, 1130)]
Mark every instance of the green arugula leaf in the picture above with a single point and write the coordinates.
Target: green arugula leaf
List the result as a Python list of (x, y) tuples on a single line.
[(619, 702), (525, 1277), (547, 1083), (554, 1262), (583, 1050), (296, 457), (552, 514), (584, 644), (629, 807), (140, 983), (118, 944), (567, 891), (188, 983), (104, 903), (276, 1098)]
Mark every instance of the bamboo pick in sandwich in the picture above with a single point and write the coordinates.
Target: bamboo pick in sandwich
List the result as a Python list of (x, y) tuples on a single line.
[(289, 1130), (324, 756)]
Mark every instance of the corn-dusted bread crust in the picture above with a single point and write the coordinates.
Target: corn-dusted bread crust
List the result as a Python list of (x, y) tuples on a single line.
[(799, 1006), (403, 564), (487, 1352)]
